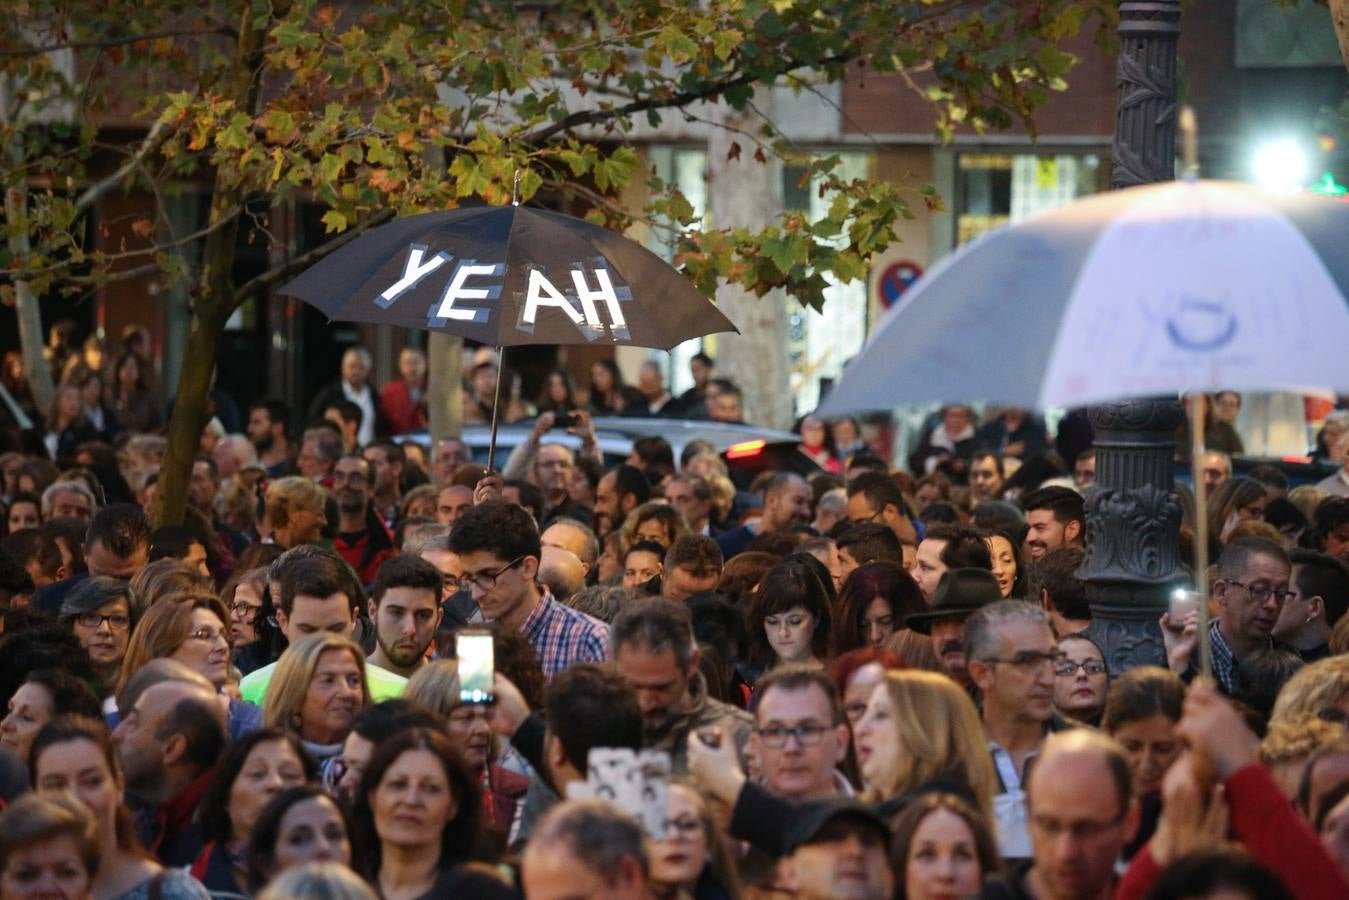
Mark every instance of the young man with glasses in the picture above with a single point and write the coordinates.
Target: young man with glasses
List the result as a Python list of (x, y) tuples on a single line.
[(498, 545), (800, 734), (1251, 589), (1011, 656), (362, 540)]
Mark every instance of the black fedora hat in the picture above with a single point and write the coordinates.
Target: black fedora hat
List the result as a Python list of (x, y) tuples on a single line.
[(959, 593)]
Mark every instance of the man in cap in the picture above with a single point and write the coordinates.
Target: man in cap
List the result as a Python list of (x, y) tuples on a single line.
[(837, 848), (959, 594)]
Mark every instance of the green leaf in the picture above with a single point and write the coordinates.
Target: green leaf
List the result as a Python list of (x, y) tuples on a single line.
[(783, 251), (334, 221), (291, 35)]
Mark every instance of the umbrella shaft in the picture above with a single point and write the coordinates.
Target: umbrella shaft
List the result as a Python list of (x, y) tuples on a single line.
[(496, 409)]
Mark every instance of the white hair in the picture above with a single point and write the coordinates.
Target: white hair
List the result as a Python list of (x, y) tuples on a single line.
[(67, 487)]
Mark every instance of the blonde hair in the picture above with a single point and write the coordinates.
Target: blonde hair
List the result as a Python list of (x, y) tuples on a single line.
[(163, 628), (237, 503), (940, 733), (162, 578), (670, 519), (723, 493), (1307, 497), (295, 670), (421, 491), (291, 493), (1320, 685), (318, 881), (435, 687), (1339, 636), (1295, 740)]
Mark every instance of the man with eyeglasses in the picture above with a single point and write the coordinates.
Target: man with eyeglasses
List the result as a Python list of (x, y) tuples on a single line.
[(498, 545), (874, 497), (1320, 599), (1250, 591), (800, 735), (1011, 656), (1082, 813), (362, 540)]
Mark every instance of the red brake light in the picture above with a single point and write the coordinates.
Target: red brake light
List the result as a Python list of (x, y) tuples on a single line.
[(745, 449), (1297, 459)]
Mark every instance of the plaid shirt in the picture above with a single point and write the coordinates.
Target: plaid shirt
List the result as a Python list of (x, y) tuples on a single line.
[(1224, 662), (562, 636)]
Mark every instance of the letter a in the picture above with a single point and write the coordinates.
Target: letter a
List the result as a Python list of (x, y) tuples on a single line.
[(542, 293)]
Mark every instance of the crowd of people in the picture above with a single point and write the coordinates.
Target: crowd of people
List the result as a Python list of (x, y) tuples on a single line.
[(870, 683)]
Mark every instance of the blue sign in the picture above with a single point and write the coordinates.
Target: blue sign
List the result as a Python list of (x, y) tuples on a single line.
[(896, 279)]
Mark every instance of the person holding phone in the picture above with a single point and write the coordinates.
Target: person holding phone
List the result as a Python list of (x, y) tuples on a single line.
[(549, 465)]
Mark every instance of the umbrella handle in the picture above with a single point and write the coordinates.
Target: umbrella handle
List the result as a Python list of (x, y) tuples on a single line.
[(496, 411), (1196, 410)]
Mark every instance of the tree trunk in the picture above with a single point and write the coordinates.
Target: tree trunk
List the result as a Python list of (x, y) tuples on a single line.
[(746, 193), (31, 338), (444, 399), (215, 293), (1339, 14)]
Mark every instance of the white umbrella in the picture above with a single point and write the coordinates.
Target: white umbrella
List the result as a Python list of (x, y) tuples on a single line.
[(1184, 286), (1169, 288)]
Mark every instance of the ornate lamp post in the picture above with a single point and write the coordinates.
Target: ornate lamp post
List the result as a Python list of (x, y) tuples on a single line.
[(1133, 517)]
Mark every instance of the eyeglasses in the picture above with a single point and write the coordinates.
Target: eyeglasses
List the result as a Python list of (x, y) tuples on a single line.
[(207, 635), (1067, 666), (485, 581), (245, 613), (808, 734), (116, 621), (1028, 659), (349, 478), (452, 584), (1082, 830), (1259, 593)]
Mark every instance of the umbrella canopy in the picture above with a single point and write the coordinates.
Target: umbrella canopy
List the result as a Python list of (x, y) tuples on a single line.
[(1180, 286), (509, 275)]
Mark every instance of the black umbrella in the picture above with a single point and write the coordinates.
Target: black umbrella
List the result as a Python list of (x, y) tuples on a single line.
[(509, 275)]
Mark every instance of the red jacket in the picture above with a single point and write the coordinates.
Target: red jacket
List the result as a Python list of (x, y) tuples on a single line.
[(400, 413), (1264, 820), (367, 550)]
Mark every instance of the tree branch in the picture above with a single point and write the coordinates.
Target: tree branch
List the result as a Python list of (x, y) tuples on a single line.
[(221, 30), (715, 89), (305, 260), (127, 254), (158, 134)]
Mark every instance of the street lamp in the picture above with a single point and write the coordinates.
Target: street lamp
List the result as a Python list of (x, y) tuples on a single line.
[(1280, 165), (1133, 517)]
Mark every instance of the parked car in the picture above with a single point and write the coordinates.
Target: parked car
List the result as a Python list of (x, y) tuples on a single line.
[(747, 450)]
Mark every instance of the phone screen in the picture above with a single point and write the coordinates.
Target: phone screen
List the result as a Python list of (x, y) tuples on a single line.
[(477, 665)]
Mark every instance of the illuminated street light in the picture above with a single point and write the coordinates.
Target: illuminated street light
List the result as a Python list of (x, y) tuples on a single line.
[(1280, 165)]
